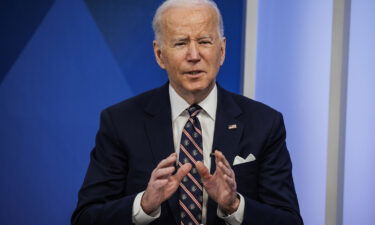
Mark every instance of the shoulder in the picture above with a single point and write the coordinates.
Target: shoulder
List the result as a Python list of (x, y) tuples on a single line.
[(138, 105), (259, 119), (250, 106)]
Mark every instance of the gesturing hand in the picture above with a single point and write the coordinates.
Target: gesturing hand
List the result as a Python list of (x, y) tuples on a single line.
[(162, 183), (221, 186)]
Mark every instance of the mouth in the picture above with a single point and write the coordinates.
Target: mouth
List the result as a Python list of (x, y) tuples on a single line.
[(194, 72)]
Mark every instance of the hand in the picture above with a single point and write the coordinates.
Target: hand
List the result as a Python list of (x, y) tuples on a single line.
[(162, 183), (221, 186)]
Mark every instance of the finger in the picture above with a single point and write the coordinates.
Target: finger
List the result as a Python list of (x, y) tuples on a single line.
[(203, 171), (158, 184), (169, 161), (216, 153), (222, 158), (182, 171), (231, 182), (223, 175), (225, 169), (163, 172), (218, 171)]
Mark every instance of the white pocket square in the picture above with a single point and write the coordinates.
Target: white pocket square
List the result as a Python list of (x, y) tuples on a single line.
[(240, 160)]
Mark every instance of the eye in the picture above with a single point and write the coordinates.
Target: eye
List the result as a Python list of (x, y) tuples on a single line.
[(205, 42), (178, 44)]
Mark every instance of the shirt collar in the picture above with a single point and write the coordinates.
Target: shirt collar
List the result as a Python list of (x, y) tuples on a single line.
[(178, 104)]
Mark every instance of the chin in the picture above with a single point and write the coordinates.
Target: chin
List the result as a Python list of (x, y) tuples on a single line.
[(198, 87)]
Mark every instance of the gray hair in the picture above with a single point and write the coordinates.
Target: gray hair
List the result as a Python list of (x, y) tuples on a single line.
[(156, 22)]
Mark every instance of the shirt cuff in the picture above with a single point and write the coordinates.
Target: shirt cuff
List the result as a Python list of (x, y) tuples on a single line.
[(235, 218), (139, 216)]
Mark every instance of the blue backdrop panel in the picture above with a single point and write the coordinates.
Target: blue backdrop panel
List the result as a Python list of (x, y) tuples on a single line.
[(359, 195), (18, 21), (50, 103), (126, 26), (293, 68), (78, 58), (230, 75)]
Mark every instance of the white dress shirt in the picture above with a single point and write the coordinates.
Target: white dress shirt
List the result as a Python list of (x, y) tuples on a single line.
[(207, 121)]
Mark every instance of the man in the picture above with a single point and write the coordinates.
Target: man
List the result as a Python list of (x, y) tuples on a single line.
[(189, 152)]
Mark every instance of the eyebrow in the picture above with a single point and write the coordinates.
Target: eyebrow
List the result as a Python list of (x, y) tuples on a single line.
[(186, 39), (179, 39), (205, 37)]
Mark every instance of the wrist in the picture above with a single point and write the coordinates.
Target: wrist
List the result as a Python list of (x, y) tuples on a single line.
[(146, 207), (232, 207)]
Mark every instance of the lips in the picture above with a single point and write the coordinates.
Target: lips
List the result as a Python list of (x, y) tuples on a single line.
[(193, 72)]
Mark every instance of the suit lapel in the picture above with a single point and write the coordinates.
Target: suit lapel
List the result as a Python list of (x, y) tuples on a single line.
[(228, 131), (159, 125), (159, 131)]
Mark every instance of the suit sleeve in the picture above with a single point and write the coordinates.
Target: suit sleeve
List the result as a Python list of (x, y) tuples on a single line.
[(102, 199), (277, 201)]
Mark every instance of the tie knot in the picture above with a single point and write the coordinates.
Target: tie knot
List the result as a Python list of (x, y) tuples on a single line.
[(194, 110)]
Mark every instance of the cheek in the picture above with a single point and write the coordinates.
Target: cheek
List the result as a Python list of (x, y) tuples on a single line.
[(173, 62), (214, 56)]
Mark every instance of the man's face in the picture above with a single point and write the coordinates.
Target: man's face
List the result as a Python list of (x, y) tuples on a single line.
[(191, 50)]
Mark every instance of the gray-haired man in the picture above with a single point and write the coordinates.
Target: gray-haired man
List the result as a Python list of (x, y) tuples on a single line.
[(189, 152)]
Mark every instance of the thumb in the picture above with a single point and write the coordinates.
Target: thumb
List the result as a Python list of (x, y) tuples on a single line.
[(203, 171), (182, 171)]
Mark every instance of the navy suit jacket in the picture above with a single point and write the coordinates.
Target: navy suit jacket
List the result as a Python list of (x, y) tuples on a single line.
[(136, 134)]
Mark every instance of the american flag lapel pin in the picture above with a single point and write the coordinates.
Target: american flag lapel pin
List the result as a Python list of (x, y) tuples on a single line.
[(232, 126)]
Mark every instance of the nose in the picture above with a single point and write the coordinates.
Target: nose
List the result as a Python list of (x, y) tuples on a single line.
[(193, 54)]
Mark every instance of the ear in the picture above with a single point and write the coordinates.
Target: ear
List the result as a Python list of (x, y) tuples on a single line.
[(158, 54), (223, 44)]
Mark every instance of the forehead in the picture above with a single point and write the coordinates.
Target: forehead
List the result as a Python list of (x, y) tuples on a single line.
[(191, 20)]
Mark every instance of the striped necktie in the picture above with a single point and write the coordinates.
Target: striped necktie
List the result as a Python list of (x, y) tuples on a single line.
[(191, 188)]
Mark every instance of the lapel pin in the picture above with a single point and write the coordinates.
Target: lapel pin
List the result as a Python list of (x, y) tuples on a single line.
[(232, 126)]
